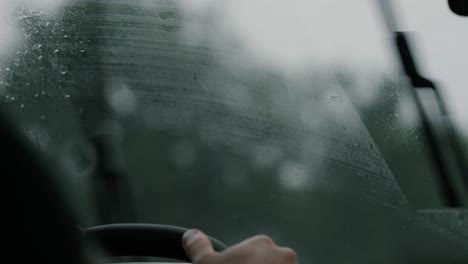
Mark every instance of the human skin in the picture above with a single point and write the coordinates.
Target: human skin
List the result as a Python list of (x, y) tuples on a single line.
[(259, 249)]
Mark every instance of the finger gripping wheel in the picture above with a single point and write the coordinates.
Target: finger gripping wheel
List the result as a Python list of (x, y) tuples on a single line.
[(149, 240)]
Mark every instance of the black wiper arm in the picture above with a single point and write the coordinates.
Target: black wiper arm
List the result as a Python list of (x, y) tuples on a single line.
[(420, 83), (409, 65)]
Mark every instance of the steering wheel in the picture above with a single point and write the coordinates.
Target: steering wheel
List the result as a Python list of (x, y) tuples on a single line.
[(148, 240)]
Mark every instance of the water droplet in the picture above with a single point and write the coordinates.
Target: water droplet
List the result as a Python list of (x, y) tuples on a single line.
[(18, 52), (7, 69), (65, 36), (36, 95), (81, 42), (12, 98), (39, 46), (40, 57), (26, 52), (47, 24), (167, 15), (336, 98), (67, 95), (22, 105), (64, 72), (82, 51), (43, 92), (27, 84), (56, 51), (42, 117)]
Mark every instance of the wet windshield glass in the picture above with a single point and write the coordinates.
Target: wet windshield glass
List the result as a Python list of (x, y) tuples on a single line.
[(235, 117)]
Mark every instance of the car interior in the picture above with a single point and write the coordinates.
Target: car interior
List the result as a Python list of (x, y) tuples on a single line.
[(337, 128)]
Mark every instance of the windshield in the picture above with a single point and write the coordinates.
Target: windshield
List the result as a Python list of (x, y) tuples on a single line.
[(235, 117)]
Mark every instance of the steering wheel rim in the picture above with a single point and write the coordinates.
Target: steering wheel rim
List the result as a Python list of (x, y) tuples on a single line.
[(148, 240)]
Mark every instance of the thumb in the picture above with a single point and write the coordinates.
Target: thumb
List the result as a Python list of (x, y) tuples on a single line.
[(197, 245)]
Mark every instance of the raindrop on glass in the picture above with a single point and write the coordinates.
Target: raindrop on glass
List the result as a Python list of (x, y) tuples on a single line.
[(336, 98)]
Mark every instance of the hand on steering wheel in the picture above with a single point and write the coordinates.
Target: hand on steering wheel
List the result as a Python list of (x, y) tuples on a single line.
[(183, 244), (256, 250)]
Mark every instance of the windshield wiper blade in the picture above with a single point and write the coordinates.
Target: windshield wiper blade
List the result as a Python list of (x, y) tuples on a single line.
[(421, 84)]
